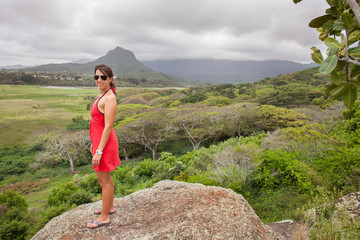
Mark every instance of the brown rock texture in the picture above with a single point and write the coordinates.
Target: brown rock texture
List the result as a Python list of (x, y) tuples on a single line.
[(168, 210)]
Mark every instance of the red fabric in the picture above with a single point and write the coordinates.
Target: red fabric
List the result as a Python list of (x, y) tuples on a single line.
[(110, 157)]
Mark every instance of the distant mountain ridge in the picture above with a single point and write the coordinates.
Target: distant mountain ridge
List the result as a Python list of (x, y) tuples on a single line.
[(225, 71), (122, 61), (126, 67), (170, 72)]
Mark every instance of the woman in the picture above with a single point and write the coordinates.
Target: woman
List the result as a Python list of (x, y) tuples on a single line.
[(104, 147)]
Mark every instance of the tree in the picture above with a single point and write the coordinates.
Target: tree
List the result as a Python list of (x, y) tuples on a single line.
[(199, 125), (340, 31), (127, 139), (152, 129), (69, 146)]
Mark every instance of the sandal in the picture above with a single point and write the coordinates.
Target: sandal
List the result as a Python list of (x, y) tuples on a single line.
[(98, 212), (99, 224)]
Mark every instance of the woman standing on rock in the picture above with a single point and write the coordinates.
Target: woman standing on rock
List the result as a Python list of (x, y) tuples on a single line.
[(104, 147)]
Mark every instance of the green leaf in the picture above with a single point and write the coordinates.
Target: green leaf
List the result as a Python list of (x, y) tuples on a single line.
[(354, 70), (319, 21), (317, 56), (337, 27), (354, 51), (329, 89), (346, 19), (297, 1), (339, 91), (353, 37), (339, 5), (323, 36), (337, 77), (332, 52), (332, 43), (329, 64), (350, 95), (330, 2), (328, 25), (333, 11)]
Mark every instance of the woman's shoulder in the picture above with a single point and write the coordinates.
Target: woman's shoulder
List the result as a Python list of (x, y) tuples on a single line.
[(110, 96)]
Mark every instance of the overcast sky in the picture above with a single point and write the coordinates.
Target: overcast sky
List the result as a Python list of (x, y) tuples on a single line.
[(58, 31)]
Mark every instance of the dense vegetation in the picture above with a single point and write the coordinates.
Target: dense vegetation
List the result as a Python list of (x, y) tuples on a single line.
[(285, 156)]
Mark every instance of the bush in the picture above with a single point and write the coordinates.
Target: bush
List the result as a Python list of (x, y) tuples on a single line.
[(14, 230), (282, 169), (122, 173), (80, 197), (193, 98), (14, 161), (341, 168), (68, 193), (91, 184), (146, 168), (13, 199), (45, 216), (168, 168), (14, 220), (77, 126), (278, 205), (286, 96), (217, 101)]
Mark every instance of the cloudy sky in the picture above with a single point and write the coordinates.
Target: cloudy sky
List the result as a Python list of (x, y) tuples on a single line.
[(58, 31)]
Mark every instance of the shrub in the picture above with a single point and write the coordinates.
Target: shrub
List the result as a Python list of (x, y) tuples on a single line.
[(341, 168), (203, 178), (282, 169), (275, 117), (287, 95), (91, 184), (14, 230), (146, 168), (45, 216), (13, 199), (217, 101), (169, 167), (193, 98), (80, 197), (122, 173), (77, 126), (14, 218), (68, 193), (162, 101)]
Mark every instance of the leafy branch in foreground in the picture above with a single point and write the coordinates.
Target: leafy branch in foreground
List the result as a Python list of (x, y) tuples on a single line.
[(340, 31)]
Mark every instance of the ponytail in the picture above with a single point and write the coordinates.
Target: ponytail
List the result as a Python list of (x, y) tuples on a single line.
[(113, 87)]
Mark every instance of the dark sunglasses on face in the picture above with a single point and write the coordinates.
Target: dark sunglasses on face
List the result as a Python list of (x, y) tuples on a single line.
[(103, 77)]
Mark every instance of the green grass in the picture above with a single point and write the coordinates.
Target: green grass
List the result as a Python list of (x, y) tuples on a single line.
[(27, 111)]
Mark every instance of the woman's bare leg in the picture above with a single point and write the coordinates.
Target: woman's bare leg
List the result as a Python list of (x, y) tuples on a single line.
[(107, 186)]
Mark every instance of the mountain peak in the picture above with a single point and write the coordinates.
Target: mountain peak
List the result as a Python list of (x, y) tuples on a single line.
[(120, 52)]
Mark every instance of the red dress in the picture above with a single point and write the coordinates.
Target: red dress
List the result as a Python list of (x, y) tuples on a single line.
[(110, 157)]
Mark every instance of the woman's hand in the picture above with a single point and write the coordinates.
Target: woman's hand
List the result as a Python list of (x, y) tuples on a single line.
[(96, 160)]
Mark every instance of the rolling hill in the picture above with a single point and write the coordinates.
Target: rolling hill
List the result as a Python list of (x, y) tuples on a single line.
[(225, 71)]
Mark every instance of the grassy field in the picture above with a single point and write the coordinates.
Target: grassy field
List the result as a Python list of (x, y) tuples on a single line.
[(27, 111)]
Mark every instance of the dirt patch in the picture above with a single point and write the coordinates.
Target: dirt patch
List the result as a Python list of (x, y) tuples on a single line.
[(291, 230), (25, 187)]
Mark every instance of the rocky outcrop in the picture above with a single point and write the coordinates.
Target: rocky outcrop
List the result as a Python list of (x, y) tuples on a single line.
[(169, 210)]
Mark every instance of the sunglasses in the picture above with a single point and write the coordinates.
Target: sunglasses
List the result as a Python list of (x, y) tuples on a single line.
[(103, 77)]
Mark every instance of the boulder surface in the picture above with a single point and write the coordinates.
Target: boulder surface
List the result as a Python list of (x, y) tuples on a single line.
[(168, 210)]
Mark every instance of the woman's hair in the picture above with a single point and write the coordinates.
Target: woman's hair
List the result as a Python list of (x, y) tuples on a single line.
[(105, 69)]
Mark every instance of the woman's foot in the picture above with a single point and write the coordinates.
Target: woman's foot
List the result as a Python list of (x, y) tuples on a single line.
[(98, 211), (99, 222)]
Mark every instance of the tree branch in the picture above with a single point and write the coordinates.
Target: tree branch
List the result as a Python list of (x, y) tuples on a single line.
[(355, 8)]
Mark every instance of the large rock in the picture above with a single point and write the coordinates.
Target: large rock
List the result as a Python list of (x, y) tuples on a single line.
[(169, 210)]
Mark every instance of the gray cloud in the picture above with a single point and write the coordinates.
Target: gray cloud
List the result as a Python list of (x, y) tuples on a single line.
[(42, 31)]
